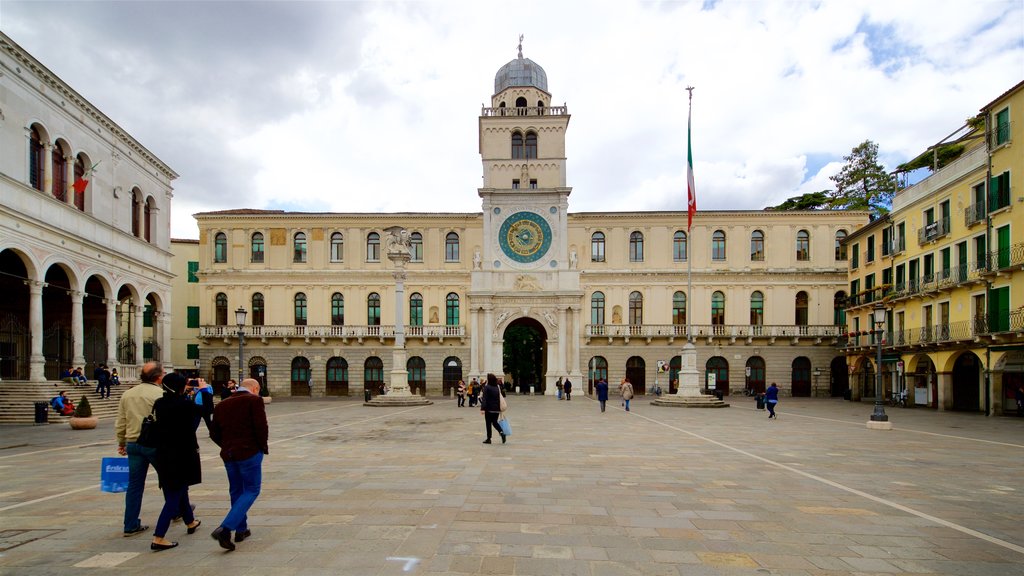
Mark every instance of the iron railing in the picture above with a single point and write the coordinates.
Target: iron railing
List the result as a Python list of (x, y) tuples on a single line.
[(706, 330), (933, 231), (974, 214), (382, 331)]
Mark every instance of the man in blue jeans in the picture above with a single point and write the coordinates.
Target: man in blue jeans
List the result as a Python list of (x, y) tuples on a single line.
[(240, 429), (135, 404)]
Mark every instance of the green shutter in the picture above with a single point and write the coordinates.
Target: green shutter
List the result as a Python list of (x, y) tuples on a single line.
[(193, 269), (192, 351), (1003, 237), (999, 310), (193, 317)]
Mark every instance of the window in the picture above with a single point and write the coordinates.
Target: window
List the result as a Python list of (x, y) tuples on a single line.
[(757, 246), (802, 309), (597, 247), (718, 245), (147, 220), (803, 246), (300, 247), (855, 263), (373, 309), (679, 309), (887, 278), (517, 146), (900, 239), (192, 313), (192, 351), (221, 309), (256, 248), (531, 145), (417, 375), (337, 376), (597, 308), (220, 248), (136, 201), (451, 309), (36, 160), (679, 246), (870, 257), (337, 247), (451, 247), (415, 309), (258, 309), (999, 192), (515, 183), (147, 316), (886, 241), (839, 309), (373, 374), (337, 309), (79, 192), (636, 309), (944, 262), (416, 247), (636, 247), (193, 272), (1002, 126), (533, 183), (300, 309), (840, 247), (373, 247), (718, 308), (60, 173), (757, 308)]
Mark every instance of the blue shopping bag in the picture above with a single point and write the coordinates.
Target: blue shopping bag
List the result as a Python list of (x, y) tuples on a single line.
[(506, 428), (114, 475)]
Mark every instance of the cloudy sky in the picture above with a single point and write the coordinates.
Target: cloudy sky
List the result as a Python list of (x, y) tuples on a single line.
[(373, 106)]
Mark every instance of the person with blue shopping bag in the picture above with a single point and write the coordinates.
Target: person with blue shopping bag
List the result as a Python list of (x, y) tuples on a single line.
[(490, 406)]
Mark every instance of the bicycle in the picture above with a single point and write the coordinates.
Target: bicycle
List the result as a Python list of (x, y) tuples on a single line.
[(898, 399)]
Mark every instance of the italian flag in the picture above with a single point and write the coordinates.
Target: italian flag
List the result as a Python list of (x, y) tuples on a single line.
[(691, 189)]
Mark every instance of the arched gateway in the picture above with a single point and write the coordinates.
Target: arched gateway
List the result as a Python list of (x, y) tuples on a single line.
[(523, 355)]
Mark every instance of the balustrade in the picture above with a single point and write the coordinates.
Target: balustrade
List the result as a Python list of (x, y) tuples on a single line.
[(383, 331)]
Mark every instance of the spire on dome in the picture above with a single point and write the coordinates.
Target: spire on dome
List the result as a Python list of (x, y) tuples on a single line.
[(520, 46)]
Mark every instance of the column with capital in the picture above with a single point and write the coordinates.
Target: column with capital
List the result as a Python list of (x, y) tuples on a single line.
[(111, 331), (137, 328), (165, 340), (69, 192), (77, 330), (36, 361)]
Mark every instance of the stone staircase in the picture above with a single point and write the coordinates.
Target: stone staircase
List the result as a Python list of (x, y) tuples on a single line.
[(18, 398)]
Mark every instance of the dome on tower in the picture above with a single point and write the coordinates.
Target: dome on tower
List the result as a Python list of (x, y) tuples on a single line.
[(520, 72)]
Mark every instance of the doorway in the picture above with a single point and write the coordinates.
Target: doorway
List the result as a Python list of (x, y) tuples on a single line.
[(524, 351)]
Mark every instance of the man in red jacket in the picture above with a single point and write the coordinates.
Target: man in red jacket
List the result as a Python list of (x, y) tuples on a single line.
[(240, 429)]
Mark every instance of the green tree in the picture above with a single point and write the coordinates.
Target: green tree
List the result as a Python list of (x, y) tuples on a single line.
[(863, 183), (809, 201)]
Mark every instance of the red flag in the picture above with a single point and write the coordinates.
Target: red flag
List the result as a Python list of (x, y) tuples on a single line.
[(80, 185)]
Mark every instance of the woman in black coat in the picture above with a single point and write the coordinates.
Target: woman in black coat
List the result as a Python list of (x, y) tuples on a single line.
[(177, 457), (490, 406)]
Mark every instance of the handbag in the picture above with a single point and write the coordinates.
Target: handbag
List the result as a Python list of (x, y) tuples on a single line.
[(148, 432), (506, 428), (502, 404), (114, 475)]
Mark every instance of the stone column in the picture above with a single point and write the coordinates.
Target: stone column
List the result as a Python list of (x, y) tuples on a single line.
[(37, 362), (165, 340), (575, 342), (689, 378), (137, 328), (111, 331), (69, 191), (487, 341), (77, 330), (398, 252), (48, 168)]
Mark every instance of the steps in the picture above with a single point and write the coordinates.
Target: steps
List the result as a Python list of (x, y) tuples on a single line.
[(18, 398)]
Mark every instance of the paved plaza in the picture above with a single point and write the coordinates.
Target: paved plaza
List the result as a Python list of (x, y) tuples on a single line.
[(657, 491)]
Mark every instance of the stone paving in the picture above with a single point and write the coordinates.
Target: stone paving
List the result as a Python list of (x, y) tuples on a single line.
[(655, 491)]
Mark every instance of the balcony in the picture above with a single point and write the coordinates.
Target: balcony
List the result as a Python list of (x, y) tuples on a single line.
[(974, 214), (1007, 259), (526, 111), (999, 135), (345, 333), (934, 231), (715, 332), (923, 336)]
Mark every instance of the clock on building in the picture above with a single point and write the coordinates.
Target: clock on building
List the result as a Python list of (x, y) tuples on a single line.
[(525, 237)]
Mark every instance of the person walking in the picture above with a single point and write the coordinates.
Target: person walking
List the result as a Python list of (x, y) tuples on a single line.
[(203, 398), (602, 392), (567, 386), (177, 457), (102, 377), (135, 404), (771, 398), (240, 429), (626, 391), (474, 389), (460, 392), (490, 407)]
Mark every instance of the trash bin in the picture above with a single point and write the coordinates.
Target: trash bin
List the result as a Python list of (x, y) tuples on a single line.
[(42, 411), (366, 394), (760, 401)]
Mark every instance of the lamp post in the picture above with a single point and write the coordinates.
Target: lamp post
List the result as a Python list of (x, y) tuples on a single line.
[(878, 315), (240, 320)]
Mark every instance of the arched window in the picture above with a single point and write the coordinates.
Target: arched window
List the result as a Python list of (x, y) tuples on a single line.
[(521, 103), (720, 368), (256, 248), (300, 309), (60, 173), (220, 248), (718, 245), (417, 370), (337, 377), (136, 201), (597, 247), (36, 160), (531, 145), (373, 309), (718, 308), (517, 146), (636, 309), (337, 247), (451, 307), (636, 371), (147, 220), (839, 309), (636, 247), (757, 246), (755, 374), (337, 309), (597, 308), (451, 373), (803, 245), (79, 189), (451, 247), (221, 309), (416, 247), (800, 385), (257, 309), (679, 246), (598, 368), (300, 247), (757, 308), (679, 309), (373, 247), (373, 374), (801, 308), (840, 247), (416, 309), (301, 377)]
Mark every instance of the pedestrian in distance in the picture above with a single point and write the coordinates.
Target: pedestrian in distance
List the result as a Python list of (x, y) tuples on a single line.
[(602, 392), (559, 386), (771, 398), (177, 457), (567, 386), (240, 429), (490, 407), (102, 377), (1019, 394), (134, 406), (474, 389), (460, 393), (203, 397), (228, 389), (626, 391)]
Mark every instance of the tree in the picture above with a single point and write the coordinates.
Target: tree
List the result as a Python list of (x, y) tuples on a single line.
[(809, 201), (863, 183)]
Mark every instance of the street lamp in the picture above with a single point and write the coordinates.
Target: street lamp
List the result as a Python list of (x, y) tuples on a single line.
[(878, 315), (240, 320)]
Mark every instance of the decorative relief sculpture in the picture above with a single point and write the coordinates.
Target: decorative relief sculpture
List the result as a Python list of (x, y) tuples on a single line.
[(527, 283)]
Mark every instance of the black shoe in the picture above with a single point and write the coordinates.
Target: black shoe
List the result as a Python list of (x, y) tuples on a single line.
[(223, 536), (242, 535), (502, 438), (138, 530), (158, 547), (192, 529), (488, 441)]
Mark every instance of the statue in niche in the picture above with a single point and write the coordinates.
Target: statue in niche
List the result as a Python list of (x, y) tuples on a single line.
[(433, 314), (617, 315), (573, 260), (478, 261)]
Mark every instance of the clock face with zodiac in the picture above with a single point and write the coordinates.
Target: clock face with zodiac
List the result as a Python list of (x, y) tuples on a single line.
[(525, 237)]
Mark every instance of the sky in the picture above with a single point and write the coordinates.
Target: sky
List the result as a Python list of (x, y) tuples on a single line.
[(340, 106)]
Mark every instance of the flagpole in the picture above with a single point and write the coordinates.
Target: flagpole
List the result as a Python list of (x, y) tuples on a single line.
[(691, 201)]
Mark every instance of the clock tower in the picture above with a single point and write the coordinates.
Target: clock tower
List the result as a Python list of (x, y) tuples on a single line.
[(525, 272)]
